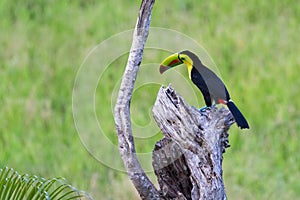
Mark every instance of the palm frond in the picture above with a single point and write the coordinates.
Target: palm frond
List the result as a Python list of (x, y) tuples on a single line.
[(14, 186)]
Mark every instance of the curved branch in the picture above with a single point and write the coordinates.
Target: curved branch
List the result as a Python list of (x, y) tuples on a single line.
[(122, 109)]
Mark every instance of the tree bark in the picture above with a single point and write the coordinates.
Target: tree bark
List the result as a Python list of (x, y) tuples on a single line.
[(122, 109), (188, 160)]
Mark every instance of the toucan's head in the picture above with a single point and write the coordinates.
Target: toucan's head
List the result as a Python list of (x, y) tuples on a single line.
[(177, 59)]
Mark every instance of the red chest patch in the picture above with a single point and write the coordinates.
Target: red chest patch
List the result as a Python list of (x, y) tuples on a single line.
[(221, 101)]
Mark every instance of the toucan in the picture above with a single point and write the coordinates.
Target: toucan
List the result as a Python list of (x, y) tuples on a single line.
[(210, 85)]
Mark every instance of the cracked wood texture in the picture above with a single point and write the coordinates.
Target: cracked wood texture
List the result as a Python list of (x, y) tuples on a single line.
[(188, 160), (137, 175)]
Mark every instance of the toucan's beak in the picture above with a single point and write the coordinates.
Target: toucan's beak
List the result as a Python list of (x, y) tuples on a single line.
[(169, 62)]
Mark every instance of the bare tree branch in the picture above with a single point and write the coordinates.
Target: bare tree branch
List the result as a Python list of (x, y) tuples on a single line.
[(122, 109), (188, 160)]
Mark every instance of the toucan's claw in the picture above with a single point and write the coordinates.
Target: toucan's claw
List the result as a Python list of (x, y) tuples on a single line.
[(203, 109)]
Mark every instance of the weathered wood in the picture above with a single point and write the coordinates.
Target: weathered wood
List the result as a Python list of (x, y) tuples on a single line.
[(122, 109), (188, 160)]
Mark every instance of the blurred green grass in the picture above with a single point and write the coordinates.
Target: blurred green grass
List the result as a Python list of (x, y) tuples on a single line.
[(255, 45)]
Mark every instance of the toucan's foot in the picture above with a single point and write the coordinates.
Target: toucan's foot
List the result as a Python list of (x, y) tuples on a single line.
[(203, 109)]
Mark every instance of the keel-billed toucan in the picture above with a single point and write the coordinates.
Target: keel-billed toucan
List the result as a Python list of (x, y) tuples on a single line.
[(210, 85)]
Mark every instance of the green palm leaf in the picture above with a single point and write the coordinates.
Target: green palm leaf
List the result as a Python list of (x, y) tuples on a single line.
[(14, 186)]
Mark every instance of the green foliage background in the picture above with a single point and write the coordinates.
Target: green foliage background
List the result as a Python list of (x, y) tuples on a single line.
[(255, 45)]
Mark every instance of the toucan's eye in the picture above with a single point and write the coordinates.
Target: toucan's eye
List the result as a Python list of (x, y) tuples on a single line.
[(182, 58)]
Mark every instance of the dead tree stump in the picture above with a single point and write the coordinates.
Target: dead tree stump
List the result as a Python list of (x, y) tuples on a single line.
[(188, 160)]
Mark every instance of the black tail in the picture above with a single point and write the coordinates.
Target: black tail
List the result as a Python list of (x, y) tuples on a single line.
[(238, 116)]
